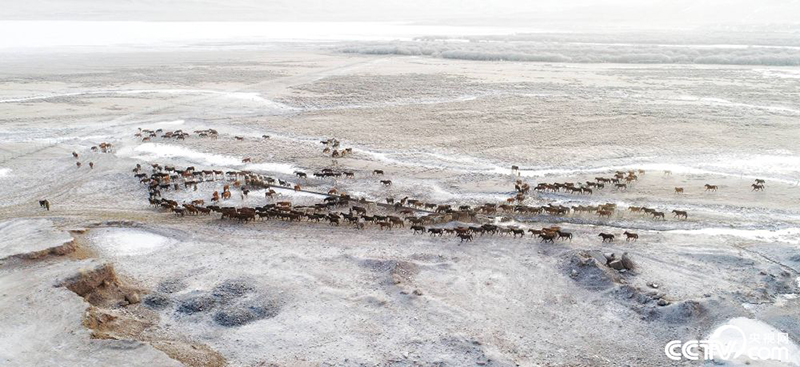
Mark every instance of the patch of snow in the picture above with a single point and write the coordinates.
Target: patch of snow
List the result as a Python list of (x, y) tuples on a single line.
[(170, 123), (788, 235), (24, 236), (149, 151), (5, 172), (272, 167), (131, 242), (719, 102), (753, 340), (244, 96)]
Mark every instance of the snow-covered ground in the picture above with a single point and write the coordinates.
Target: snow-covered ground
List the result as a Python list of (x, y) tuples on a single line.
[(307, 293)]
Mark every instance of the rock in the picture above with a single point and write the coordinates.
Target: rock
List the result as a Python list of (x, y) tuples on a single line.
[(663, 302), (652, 285), (609, 257), (599, 257), (627, 262), (133, 298), (616, 264)]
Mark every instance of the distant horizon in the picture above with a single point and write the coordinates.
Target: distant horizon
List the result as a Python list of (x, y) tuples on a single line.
[(565, 14)]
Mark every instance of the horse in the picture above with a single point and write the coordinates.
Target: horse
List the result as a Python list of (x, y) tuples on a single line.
[(75, 154), (78, 164), (679, 190), (681, 213), (386, 182), (630, 236), (465, 237), (658, 215), (605, 213), (760, 181), (44, 204), (758, 187), (91, 165), (564, 235), (246, 160), (621, 186), (297, 188), (711, 187), (547, 237), (516, 231), (607, 237), (377, 172)]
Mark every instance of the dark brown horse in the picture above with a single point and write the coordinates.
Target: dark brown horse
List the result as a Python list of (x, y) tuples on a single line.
[(607, 237)]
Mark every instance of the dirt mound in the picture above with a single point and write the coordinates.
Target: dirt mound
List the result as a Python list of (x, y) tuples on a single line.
[(157, 301), (107, 319), (171, 286), (240, 314), (235, 302), (196, 301), (589, 270), (396, 271), (231, 290), (101, 287)]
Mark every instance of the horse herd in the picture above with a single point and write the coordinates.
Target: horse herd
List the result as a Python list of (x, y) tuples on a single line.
[(102, 147), (340, 209)]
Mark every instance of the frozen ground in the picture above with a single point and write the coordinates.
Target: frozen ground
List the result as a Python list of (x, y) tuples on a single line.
[(445, 131)]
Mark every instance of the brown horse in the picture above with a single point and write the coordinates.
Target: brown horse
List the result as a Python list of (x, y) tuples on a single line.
[(91, 165), (297, 188), (45, 204), (757, 187), (78, 164), (386, 182), (679, 190), (681, 214), (246, 160), (711, 187), (630, 236)]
